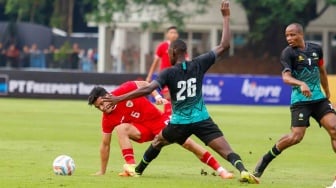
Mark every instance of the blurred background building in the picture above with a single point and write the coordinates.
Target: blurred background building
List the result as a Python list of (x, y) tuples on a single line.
[(126, 47)]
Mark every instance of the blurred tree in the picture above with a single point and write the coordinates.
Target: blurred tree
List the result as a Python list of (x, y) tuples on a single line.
[(267, 20), (26, 10), (111, 11), (63, 15), (68, 15)]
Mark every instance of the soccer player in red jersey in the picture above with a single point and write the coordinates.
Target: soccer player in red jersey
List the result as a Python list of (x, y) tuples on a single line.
[(162, 58), (138, 120)]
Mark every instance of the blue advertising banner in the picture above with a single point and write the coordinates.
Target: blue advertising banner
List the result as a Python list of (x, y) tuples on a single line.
[(245, 89), (3, 84)]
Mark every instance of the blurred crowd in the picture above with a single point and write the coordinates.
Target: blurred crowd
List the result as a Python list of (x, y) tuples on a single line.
[(73, 58)]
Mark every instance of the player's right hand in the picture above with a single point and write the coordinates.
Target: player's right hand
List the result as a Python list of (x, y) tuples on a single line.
[(305, 90)]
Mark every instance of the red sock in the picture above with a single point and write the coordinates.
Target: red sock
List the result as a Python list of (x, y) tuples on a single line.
[(208, 159), (128, 155)]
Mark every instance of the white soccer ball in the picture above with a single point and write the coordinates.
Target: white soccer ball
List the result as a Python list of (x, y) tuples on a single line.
[(64, 165)]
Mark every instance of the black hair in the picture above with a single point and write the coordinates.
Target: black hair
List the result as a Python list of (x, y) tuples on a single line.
[(170, 28), (179, 45), (96, 92)]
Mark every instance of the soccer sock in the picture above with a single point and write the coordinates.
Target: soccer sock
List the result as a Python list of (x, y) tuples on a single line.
[(150, 154), (208, 159), (128, 155), (236, 161), (267, 158)]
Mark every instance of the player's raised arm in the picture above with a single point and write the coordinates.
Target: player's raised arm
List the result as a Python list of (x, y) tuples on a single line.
[(226, 33)]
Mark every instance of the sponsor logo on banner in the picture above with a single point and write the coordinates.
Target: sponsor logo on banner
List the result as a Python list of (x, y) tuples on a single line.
[(266, 93), (211, 91), (33, 87), (3, 84)]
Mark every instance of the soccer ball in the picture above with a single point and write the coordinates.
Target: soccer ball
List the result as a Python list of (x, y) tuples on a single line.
[(64, 165)]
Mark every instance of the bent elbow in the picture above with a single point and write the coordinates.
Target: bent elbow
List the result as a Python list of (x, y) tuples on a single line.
[(147, 91), (223, 48), (286, 79), (227, 46)]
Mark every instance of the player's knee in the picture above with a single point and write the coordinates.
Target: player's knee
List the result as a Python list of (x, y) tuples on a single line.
[(296, 138), (158, 142), (187, 144), (332, 131)]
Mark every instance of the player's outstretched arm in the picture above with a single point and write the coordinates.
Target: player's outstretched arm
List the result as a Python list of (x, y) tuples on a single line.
[(226, 33), (104, 154), (142, 91)]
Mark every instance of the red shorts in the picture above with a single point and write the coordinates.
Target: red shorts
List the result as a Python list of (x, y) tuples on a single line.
[(151, 128)]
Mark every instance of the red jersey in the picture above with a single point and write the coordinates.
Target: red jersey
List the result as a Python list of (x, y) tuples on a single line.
[(162, 53), (135, 111)]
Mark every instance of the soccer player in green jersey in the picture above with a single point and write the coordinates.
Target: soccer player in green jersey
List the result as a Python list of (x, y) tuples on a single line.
[(303, 69), (190, 116)]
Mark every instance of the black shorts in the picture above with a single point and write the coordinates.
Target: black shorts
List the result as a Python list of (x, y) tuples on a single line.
[(301, 113), (205, 130)]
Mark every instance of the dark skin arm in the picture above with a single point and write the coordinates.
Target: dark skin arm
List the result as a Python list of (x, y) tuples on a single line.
[(324, 81), (290, 80), (142, 91), (226, 33)]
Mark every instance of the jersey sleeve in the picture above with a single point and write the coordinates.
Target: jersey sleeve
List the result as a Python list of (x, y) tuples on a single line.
[(320, 54), (107, 125), (206, 60), (286, 60), (160, 50), (125, 88)]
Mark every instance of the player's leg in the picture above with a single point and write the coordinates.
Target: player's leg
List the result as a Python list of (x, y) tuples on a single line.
[(170, 134), (151, 153), (206, 158), (300, 122), (212, 136), (329, 123), (222, 147), (326, 116), (127, 132), (285, 141)]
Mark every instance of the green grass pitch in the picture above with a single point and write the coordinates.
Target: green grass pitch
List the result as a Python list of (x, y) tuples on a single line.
[(34, 132)]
